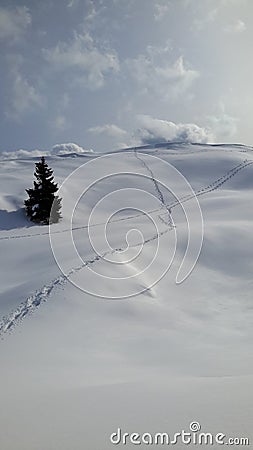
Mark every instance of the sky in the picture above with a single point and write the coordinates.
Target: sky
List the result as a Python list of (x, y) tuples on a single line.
[(108, 74)]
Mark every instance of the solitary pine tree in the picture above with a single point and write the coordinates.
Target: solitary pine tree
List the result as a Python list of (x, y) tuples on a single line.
[(43, 206)]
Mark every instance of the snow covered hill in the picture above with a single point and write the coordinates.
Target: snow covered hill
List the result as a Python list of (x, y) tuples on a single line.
[(113, 340)]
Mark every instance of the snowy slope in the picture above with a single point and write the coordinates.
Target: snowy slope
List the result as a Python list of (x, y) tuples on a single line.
[(83, 365)]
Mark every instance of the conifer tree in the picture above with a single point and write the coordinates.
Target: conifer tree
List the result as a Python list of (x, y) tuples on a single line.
[(43, 206)]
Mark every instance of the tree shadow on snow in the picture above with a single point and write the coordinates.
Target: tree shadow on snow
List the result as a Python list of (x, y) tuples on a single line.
[(10, 220)]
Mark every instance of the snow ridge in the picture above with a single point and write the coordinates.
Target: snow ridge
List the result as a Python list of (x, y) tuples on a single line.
[(209, 188)]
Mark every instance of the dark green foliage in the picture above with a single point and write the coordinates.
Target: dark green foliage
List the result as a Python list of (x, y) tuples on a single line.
[(43, 206)]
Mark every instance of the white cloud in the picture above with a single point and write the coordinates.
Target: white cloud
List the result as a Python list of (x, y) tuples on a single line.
[(108, 129), (219, 4), (168, 80), (209, 17), (59, 123), (157, 130), (161, 9), (72, 3), (90, 63), (215, 12), (58, 149), (61, 149), (19, 154), (13, 22), (223, 125), (24, 97), (235, 2), (237, 27), (92, 12)]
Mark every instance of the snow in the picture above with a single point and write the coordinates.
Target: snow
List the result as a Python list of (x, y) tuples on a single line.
[(74, 366)]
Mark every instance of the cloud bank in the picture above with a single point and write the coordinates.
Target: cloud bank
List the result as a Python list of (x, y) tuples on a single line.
[(58, 149), (63, 149), (155, 130)]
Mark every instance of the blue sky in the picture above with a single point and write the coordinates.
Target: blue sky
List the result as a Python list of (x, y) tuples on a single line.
[(112, 73)]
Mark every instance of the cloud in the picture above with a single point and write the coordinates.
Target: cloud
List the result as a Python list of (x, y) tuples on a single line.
[(108, 129), (89, 63), (223, 125), (154, 74), (60, 122), (72, 3), (61, 149), (219, 4), (200, 24), (235, 2), (13, 22), (213, 12), (92, 10), (156, 130), (19, 154), (161, 9), (237, 27), (58, 149), (24, 97)]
